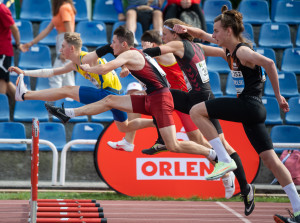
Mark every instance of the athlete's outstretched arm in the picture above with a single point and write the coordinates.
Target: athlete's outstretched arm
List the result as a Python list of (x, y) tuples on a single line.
[(44, 72), (213, 51), (175, 47), (195, 32)]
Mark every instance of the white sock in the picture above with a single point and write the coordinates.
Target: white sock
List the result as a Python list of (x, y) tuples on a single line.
[(70, 112), (220, 150), (212, 154), (226, 181), (293, 195), (128, 143)]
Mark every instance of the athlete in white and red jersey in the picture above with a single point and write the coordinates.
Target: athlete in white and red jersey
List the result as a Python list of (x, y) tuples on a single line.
[(158, 102)]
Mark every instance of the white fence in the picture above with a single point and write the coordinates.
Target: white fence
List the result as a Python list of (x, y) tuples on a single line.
[(89, 142)]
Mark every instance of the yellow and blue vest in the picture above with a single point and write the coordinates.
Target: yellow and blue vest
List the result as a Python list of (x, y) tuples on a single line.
[(109, 80)]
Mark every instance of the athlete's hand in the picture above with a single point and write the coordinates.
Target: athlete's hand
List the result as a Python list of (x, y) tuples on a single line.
[(15, 69), (23, 48), (85, 67), (180, 28), (283, 104), (124, 72)]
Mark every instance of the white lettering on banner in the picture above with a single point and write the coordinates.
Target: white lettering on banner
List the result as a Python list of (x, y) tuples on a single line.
[(172, 168)]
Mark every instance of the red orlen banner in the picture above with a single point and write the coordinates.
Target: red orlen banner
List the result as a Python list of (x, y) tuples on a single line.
[(167, 174)]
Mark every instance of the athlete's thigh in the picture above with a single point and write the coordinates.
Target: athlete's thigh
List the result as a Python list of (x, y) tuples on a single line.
[(181, 101)]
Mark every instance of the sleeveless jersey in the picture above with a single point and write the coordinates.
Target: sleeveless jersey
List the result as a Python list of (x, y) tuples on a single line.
[(151, 75), (194, 67), (174, 76), (110, 79), (247, 81)]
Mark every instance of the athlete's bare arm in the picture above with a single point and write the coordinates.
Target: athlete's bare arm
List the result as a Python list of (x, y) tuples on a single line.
[(195, 32), (131, 58), (175, 47), (90, 57), (213, 51)]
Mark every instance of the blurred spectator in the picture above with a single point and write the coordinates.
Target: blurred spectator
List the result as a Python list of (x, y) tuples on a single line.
[(146, 12), (188, 11), (64, 21), (119, 7), (7, 27)]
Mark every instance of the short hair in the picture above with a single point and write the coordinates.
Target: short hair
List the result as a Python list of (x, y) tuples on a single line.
[(152, 36), (74, 39), (172, 22), (124, 35)]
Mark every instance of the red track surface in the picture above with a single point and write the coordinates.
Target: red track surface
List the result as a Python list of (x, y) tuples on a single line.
[(162, 211)]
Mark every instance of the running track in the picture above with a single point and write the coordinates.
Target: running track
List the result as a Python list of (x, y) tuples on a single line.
[(16, 211)]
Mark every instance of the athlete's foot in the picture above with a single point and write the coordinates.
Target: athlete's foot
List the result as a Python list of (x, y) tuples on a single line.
[(221, 169), (229, 185), (20, 89), (156, 148), (122, 145), (249, 200), (294, 218), (58, 112)]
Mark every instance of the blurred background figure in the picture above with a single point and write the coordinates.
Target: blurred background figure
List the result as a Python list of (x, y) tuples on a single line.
[(188, 11), (63, 20), (7, 27)]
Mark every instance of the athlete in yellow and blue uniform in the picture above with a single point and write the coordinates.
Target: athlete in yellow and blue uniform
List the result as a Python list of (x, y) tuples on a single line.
[(106, 84)]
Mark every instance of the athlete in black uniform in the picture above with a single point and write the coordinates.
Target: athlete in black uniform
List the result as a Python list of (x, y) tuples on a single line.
[(247, 108)]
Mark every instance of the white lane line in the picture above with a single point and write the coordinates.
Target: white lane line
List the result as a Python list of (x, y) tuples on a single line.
[(233, 212)]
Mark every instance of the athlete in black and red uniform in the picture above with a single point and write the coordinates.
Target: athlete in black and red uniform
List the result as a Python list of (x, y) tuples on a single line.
[(158, 102)]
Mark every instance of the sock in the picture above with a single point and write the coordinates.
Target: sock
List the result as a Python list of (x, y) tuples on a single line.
[(220, 150), (159, 139), (128, 143), (293, 195), (70, 112), (212, 154), (240, 174), (226, 181)]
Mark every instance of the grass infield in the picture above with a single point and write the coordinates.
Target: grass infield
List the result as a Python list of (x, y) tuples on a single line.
[(24, 195)]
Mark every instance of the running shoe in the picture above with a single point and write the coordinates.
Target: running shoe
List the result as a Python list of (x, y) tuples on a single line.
[(21, 88), (249, 200), (221, 169), (229, 185), (156, 148), (294, 218), (122, 145), (58, 112)]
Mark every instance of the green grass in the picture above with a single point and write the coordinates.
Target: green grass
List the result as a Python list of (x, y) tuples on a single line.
[(116, 196)]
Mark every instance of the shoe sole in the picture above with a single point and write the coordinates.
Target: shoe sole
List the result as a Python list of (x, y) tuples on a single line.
[(277, 219), (17, 84), (220, 175), (155, 152)]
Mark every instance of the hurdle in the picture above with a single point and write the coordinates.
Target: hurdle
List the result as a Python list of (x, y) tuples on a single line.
[(57, 210)]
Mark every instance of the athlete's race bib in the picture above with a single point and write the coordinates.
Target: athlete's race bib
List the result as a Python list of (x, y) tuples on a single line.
[(202, 69), (238, 81)]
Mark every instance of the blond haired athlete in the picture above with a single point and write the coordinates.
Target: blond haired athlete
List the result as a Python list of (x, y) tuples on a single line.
[(106, 84)]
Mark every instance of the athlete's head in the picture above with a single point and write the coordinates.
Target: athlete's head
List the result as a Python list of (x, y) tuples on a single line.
[(123, 39), (227, 25), (72, 43), (151, 38), (170, 35)]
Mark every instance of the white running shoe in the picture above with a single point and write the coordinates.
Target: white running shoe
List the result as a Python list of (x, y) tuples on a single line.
[(21, 88), (122, 145), (229, 185)]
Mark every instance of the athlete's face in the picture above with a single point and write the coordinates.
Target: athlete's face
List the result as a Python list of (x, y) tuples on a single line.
[(168, 36), (66, 50), (117, 45), (220, 33)]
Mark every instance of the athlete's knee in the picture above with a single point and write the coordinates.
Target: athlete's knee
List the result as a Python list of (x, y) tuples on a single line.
[(173, 147), (67, 91), (198, 110), (109, 100)]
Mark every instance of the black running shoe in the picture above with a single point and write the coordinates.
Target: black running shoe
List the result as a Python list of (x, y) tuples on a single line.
[(249, 200), (292, 219), (58, 112), (156, 148)]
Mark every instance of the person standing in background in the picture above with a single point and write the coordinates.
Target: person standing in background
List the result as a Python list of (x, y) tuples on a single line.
[(64, 21), (7, 27)]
